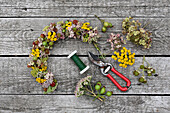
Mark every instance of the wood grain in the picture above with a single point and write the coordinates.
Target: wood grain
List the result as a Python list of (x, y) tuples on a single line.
[(53, 3), (69, 103), (85, 11), (15, 77), (21, 22), (17, 35)]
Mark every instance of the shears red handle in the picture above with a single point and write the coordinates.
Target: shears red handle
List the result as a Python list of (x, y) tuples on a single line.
[(121, 76), (105, 68)]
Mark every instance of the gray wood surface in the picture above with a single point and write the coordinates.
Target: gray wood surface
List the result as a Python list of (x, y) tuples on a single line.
[(69, 103), (22, 21), (68, 75), (19, 33)]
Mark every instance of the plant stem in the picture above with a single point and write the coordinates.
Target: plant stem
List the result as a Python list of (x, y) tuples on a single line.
[(90, 87), (102, 21), (146, 24), (95, 45), (94, 94), (145, 60), (143, 68), (89, 95)]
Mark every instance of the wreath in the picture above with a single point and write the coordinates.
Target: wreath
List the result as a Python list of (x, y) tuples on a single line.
[(52, 33), (86, 33)]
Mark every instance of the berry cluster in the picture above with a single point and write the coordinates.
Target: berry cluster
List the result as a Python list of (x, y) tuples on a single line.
[(105, 24), (102, 90), (147, 69), (84, 87), (124, 57)]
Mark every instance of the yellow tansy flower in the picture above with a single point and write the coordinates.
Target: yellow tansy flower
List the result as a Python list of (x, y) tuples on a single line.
[(33, 67), (49, 33), (133, 60), (69, 24), (121, 57), (119, 60), (113, 56), (43, 69), (36, 52), (122, 51), (55, 39), (85, 26), (122, 61), (39, 80), (120, 65)]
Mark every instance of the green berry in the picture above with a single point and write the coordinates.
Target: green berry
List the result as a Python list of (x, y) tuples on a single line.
[(106, 24), (153, 70), (35, 58), (74, 29), (45, 43), (110, 25), (109, 93), (91, 27), (149, 74), (63, 26), (136, 73), (145, 81), (141, 66), (103, 90), (63, 30), (104, 29), (66, 22), (99, 83), (148, 71), (97, 87), (51, 43), (141, 79)]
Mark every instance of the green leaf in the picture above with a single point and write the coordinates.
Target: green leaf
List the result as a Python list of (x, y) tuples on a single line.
[(51, 89), (45, 28), (34, 72), (44, 59), (60, 22)]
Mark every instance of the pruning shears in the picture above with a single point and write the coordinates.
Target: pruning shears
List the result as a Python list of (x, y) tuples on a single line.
[(105, 68)]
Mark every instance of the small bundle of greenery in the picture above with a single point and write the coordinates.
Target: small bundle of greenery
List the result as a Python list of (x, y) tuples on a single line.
[(148, 69), (135, 33), (84, 87)]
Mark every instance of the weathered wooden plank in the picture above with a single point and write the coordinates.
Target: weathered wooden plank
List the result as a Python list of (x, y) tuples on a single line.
[(15, 77), (71, 104), (17, 35), (55, 3), (79, 11)]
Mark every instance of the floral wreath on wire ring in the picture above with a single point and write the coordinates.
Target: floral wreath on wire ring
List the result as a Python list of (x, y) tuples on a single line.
[(52, 33)]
